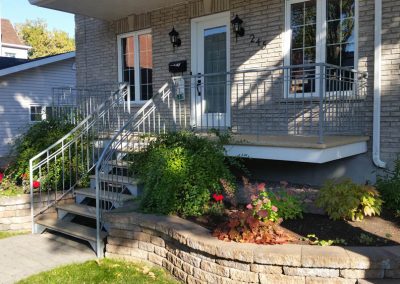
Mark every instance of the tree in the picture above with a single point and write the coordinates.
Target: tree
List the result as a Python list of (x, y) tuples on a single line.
[(44, 42)]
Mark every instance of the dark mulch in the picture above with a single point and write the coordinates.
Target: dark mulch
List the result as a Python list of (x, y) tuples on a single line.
[(372, 231)]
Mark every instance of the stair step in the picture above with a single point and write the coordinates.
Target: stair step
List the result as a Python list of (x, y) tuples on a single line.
[(116, 179), (71, 229), (79, 209), (106, 196), (119, 164)]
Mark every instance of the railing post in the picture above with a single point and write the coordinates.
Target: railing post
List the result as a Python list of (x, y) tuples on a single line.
[(31, 192), (321, 120), (99, 251)]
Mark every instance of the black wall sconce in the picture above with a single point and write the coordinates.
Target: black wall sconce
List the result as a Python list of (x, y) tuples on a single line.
[(237, 26), (174, 38)]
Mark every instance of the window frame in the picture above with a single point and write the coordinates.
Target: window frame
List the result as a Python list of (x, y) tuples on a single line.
[(43, 112), (135, 35), (321, 32)]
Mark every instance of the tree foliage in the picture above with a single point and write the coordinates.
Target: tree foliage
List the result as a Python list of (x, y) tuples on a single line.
[(44, 42)]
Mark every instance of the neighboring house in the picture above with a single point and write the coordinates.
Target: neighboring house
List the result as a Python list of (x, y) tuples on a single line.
[(114, 41), (10, 44), (26, 92)]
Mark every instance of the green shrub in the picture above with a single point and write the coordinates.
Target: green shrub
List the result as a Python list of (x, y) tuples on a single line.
[(389, 187), (180, 172), (290, 207), (37, 138), (347, 200)]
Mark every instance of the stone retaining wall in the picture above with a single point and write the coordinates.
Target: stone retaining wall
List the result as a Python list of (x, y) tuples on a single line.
[(192, 255), (15, 211)]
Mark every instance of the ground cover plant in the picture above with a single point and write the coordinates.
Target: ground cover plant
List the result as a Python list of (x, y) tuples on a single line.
[(349, 201), (8, 234), (105, 271), (180, 172)]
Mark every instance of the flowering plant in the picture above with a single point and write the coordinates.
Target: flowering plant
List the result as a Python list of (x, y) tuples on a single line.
[(262, 207), (218, 197), (1, 177), (36, 184)]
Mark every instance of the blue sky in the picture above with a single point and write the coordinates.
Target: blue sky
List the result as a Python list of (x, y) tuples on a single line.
[(19, 10)]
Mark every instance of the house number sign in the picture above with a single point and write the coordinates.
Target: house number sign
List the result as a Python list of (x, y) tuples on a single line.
[(258, 41)]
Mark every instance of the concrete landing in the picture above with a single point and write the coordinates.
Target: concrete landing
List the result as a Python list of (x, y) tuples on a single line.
[(25, 255)]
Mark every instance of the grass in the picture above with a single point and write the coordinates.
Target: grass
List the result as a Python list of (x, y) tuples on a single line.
[(103, 271), (9, 234)]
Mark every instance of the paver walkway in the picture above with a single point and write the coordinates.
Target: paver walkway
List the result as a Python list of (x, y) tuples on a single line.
[(25, 255)]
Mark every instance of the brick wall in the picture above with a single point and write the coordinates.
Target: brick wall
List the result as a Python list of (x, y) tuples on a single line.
[(15, 212), (191, 254), (390, 137), (97, 54)]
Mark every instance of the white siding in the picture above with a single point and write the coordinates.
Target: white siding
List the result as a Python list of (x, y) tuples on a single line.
[(19, 90)]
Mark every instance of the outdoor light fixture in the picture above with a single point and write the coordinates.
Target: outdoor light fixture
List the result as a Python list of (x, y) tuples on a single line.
[(237, 26), (174, 38)]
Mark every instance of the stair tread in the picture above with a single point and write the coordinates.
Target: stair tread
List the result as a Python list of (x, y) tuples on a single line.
[(68, 228), (116, 178), (108, 196), (116, 163), (79, 209)]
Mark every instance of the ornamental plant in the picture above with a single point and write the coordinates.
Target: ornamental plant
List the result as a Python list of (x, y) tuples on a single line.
[(262, 207), (290, 206), (389, 187), (349, 201), (245, 227), (180, 171), (216, 207)]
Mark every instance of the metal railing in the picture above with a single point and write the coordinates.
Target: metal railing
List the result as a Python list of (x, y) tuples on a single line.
[(160, 114), (56, 171), (309, 100), (315, 99), (75, 104)]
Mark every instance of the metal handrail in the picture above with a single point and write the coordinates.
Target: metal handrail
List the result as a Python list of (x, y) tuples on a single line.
[(84, 132)]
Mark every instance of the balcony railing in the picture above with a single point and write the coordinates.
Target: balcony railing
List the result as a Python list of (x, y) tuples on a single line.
[(308, 100)]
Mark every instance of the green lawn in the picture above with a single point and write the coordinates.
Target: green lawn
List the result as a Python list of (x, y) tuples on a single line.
[(8, 234), (103, 271)]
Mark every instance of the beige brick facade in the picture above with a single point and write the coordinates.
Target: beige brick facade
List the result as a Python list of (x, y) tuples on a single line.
[(97, 52)]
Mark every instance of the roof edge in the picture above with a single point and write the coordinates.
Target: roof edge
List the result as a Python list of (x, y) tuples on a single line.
[(37, 63), (20, 46)]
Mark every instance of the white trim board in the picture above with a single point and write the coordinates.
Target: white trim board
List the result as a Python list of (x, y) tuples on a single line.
[(36, 63), (305, 155)]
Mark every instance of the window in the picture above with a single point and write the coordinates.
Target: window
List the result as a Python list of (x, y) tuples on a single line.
[(135, 61), (319, 31), (10, 54), (39, 113)]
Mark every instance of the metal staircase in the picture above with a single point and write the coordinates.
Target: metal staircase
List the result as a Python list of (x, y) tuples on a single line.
[(90, 164)]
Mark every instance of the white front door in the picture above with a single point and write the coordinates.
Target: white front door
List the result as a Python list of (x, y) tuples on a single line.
[(210, 64)]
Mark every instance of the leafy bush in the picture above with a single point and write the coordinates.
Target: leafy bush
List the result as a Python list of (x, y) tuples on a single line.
[(389, 187), (275, 204), (243, 226), (347, 200), (37, 138), (180, 171), (262, 207), (290, 207)]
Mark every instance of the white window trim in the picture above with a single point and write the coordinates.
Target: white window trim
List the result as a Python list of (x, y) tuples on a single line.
[(320, 45), (137, 63), (43, 112)]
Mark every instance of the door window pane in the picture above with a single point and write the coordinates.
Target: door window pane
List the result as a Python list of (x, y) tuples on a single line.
[(303, 51), (133, 47), (215, 62)]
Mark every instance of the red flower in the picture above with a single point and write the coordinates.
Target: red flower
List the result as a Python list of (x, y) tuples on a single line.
[(218, 197), (1, 177), (36, 184), (261, 186)]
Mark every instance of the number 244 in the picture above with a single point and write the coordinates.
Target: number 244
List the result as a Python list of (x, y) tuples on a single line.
[(258, 41)]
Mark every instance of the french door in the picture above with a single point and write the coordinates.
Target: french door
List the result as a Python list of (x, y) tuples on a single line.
[(210, 64), (318, 31)]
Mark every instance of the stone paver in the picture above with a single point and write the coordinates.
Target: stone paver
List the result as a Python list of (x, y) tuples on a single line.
[(25, 255)]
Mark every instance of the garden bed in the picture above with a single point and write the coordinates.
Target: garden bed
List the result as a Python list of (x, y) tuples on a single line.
[(381, 230), (192, 255)]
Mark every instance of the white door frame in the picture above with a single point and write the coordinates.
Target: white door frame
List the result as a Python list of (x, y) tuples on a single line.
[(214, 20)]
